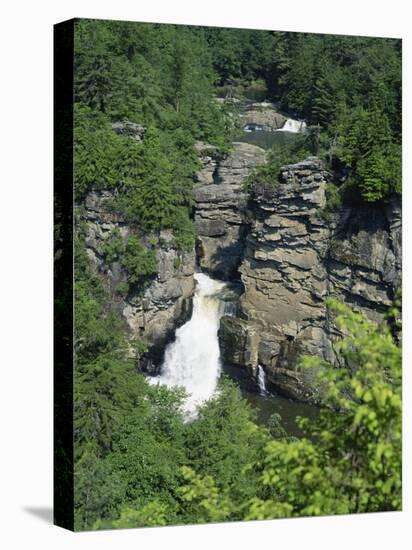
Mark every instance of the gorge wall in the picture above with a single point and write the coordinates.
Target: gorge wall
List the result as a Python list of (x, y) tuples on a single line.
[(290, 260), (285, 256), (166, 301), (219, 207)]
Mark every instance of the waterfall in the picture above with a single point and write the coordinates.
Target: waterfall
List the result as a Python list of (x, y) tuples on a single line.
[(193, 359), (262, 380), (294, 126)]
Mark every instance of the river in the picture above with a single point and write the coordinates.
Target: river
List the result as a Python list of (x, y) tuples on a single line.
[(193, 361), (257, 135)]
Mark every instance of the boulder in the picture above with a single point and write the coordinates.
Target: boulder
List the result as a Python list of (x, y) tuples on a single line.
[(129, 129), (263, 118)]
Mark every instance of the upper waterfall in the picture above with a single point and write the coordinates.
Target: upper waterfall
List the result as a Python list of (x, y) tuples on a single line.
[(294, 126), (193, 359)]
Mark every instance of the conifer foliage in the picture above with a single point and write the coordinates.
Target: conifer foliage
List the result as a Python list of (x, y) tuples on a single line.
[(138, 461)]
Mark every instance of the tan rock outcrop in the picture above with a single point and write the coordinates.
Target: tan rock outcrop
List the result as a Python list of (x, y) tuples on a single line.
[(219, 208), (293, 261)]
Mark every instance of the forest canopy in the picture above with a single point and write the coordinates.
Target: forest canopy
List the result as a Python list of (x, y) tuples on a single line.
[(166, 77), (138, 462)]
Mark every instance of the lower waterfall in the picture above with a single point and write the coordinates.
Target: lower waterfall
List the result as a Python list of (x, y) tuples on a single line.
[(193, 359)]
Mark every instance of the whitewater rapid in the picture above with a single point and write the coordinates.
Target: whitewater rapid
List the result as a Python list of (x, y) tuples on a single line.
[(293, 126), (193, 359)]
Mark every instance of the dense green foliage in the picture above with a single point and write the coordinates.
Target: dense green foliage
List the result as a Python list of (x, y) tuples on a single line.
[(348, 87), (157, 75), (241, 55), (162, 78), (352, 463), (138, 261), (165, 77), (138, 462), (354, 93)]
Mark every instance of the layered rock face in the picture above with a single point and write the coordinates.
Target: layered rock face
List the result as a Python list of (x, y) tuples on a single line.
[(293, 260), (289, 259), (364, 258), (219, 208), (166, 301)]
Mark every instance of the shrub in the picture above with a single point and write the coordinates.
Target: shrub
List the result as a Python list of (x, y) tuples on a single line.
[(139, 262)]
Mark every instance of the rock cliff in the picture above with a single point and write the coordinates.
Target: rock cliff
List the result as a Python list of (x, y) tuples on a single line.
[(292, 261), (166, 301), (277, 243), (219, 208), (165, 304)]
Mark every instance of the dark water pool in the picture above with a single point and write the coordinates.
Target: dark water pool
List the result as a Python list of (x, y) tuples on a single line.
[(289, 410), (266, 140), (266, 405)]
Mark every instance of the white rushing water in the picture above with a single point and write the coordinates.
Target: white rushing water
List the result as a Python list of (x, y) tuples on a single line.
[(262, 380), (193, 359), (294, 126)]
